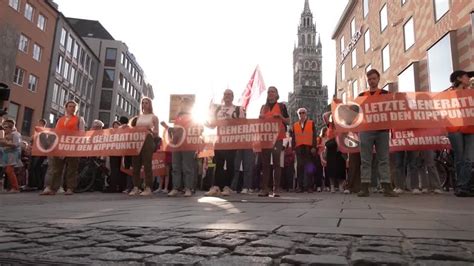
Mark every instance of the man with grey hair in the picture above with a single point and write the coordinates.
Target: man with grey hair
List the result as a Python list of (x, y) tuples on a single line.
[(304, 143)]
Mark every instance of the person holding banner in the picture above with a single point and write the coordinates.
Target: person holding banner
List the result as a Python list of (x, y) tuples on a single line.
[(304, 143), (379, 139), (462, 140), (273, 109), (69, 122), (223, 177), (149, 120)]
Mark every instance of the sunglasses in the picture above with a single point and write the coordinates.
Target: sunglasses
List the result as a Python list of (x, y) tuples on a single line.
[(302, 113)]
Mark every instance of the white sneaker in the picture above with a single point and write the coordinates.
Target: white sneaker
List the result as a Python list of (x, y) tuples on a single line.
[(60, 190), (165, 191), (188, 193), (146, 192), (347, 191), (157, 191), (251, 191), (226, 191), (135, 192), (416, 191), (213, 192), (438, 191), (173, 193), (244, 191), (425, 191), (318, 189), (333, 190), (398, 191)]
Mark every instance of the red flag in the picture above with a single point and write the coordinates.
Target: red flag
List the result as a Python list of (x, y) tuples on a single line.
[(254, 88)]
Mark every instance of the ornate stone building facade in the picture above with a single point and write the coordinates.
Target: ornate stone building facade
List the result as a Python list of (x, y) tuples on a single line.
[(307, 76)]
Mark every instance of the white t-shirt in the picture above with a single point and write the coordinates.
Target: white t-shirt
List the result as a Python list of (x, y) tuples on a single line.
[(229, 112)]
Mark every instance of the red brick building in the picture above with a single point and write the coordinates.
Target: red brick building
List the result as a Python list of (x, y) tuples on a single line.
[(415, 45), (27, 30)]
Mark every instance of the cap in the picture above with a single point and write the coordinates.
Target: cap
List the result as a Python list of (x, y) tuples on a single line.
[(459, 73)]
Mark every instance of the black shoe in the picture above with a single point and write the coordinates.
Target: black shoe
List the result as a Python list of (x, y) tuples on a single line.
[(364, 190)]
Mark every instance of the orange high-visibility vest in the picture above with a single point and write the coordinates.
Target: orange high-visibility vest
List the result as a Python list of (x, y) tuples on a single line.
[(72, 124), (377, 92), (303, 136), (269, 113)]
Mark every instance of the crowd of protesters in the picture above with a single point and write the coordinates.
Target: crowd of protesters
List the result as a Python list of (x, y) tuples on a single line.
[(303, 159)]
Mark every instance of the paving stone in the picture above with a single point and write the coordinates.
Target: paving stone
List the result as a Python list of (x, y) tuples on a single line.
[(31, 230), (467, 245), (179, 241), (38, 235), (226, 242), (383, 238), (272, 242), (238, 261), (75, 244), (441, 255), (438, 248), (120, 256), (376, 243), (377, 258), (91, 233), (22, 225), (325, 242), (137, 232), (80, 252), (10, 239), (442, 263), (204, 234), (204, 251), (107, 238), (243, 235), (55, 231), (174, 259), (188, 230), (155, 249), (309, 259), (121, 244), (428, 241), (37, 249), (260, 251), (52, 240), (14, 245), (387, 249), (336, 237), (296, 237), (151, 238), (339, 251), (7, 233)]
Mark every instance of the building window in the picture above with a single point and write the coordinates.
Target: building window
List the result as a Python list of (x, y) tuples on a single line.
[(88, 65), (41, 22), (341, 43), (84, 85), (122, 58), (78, 81), (440, 64), (354, 91), (24, 43), (19, 76), (59, 64), (406, 80), (105, 117), (353, 27), (409, 33), (63, 37), (75, 52), (13, 111), (366, 8), (15, 4), (343, 72), (110, 57), (33, 83), (108, 78), (441, 7), (383, 18), (37, 51), (62, 97), (27, 117), (106, 100), (354, 57), (366, 40), (55, 93), (66, 69), (386, 57), (82, 57), (69, 44), (72, 75), (29, 12)]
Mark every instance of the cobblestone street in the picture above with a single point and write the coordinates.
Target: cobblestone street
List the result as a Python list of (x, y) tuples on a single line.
[(316, 229)]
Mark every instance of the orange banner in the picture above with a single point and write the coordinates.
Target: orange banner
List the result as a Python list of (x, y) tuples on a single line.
[(405, 111), (158, 166), (231, 134), (107, 142), (400, 140)]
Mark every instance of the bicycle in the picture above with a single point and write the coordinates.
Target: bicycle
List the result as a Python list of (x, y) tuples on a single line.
[(446, 169), (93, 175)]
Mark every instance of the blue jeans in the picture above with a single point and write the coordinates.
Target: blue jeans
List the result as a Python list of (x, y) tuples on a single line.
[(381, 141), (463, 149), (183, 169), (247, 158), (429, 174)]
